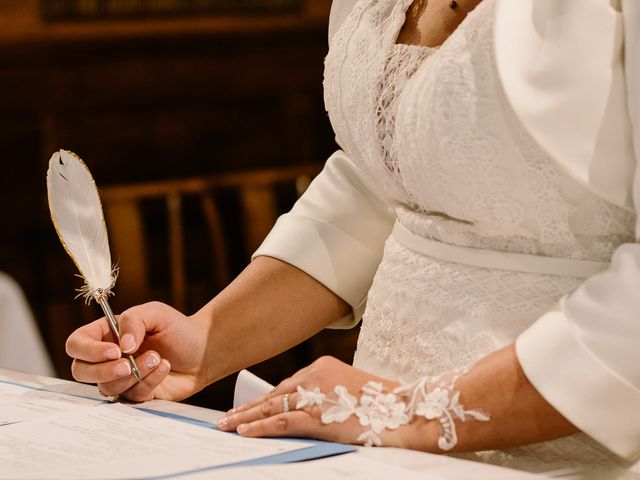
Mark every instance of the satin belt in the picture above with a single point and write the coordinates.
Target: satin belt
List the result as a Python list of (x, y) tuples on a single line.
[(513, 262)]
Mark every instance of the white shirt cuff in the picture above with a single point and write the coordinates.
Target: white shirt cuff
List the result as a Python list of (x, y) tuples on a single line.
[(577, 384)]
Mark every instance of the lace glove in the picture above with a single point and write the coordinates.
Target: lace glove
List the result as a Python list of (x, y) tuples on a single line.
[(432, 398), (320, 402)]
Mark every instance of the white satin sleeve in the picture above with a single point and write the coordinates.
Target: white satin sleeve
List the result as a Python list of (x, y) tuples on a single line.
[(584, 357), (335, 233)]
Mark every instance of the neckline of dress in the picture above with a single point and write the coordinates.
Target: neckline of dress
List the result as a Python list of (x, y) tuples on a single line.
[(404, 6)]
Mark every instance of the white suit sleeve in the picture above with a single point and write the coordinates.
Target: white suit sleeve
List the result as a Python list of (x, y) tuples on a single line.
[(335, 233), (584, 357)]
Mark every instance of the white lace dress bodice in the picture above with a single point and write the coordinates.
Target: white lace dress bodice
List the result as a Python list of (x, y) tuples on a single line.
[(432, 133)]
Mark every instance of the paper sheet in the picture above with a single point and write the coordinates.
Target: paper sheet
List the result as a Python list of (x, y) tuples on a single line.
[(343, 467), (115, 441), (19, 403)]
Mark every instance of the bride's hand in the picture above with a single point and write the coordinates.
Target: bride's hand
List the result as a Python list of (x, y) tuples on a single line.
[(169, 348), (295, 408)]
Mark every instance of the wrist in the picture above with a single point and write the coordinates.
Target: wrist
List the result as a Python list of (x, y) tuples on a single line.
[(419, 434), (207, 373), (423, 435)]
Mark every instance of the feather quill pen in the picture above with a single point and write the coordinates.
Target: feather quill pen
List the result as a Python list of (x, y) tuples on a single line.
[(77, 216)]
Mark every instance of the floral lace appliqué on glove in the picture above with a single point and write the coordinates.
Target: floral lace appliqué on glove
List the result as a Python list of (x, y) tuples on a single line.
[(431, 398)]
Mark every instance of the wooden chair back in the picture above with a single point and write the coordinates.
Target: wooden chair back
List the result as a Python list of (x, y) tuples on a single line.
[(253, 212)]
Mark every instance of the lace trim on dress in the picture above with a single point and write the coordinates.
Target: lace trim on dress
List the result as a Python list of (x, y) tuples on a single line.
[(401, 64), (370, 92), (431, 398)]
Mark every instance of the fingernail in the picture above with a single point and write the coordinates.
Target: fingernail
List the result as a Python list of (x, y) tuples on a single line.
[(242, 428), (112, 353), (123, 369), (152, 361), (127, 342), (164, 367), (233, 410), (222, 423)]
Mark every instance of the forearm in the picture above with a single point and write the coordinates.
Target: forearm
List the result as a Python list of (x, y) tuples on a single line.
[(518, 413), (270, 307)]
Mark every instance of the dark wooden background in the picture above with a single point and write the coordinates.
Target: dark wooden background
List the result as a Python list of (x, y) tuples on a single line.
[(148, 99)]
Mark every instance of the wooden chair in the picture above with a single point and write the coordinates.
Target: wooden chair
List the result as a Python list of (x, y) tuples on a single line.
[(232, 212)]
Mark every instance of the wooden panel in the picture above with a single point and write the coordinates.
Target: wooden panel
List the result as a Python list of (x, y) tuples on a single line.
[(176, 250), (128, 242), (21, 23), (259, 212), (220, 264)]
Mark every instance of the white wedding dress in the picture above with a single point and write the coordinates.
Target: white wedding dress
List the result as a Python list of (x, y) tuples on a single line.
[(432, 133)]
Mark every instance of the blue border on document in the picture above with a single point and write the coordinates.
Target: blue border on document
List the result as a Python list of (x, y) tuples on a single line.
[(42, 389)]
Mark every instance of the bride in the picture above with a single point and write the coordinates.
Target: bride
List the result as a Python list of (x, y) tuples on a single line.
[(479, 218)]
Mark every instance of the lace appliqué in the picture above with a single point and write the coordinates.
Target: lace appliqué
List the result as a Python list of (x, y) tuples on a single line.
[(429, 397), (441, 403)]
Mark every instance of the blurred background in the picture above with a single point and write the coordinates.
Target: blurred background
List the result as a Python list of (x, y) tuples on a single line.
[(201, 121)]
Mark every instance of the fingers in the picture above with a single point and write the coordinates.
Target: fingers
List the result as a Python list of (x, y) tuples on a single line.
[(100, 372), (115, 378), (291, 424), (93, 343), (118, 385), (300, 424), (144, 390), (134, 323), (268, 408), (271, 419)]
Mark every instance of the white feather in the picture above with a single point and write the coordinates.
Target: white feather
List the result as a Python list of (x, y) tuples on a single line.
[(76, 212)]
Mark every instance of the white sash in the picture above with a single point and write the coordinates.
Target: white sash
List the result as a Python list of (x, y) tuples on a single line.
[(492, 259)]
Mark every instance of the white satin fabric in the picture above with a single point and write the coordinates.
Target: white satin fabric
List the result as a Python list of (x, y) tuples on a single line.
[(585, 113), (581, 355)]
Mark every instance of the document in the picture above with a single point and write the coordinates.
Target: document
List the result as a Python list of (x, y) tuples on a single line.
[(350, 467), (117, 442), (19, 403)]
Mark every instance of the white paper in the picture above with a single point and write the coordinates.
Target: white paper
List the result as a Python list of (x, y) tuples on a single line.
[(373, 464), (444, 465), (248, 387), (182, 409), (20, 403), (115, 441), (347, 467)]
